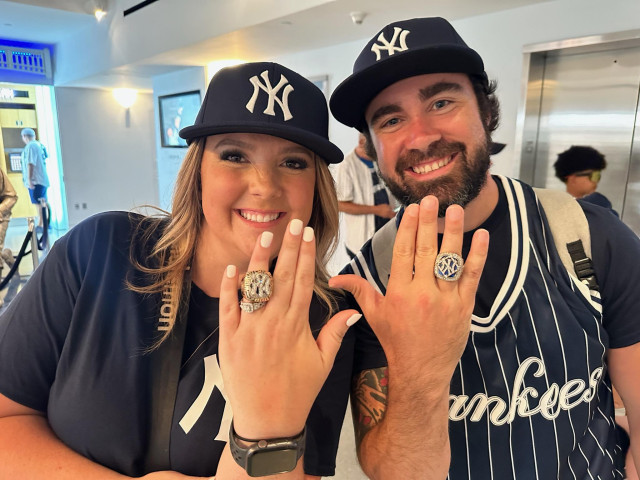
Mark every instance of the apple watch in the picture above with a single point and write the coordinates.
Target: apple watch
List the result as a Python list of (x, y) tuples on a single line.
[(260, 458)]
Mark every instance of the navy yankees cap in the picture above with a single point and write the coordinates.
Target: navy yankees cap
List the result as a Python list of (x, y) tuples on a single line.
[(401, 50), (266, 98), (496, 147)]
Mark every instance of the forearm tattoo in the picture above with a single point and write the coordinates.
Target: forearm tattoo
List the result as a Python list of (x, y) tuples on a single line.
[(369, 399)]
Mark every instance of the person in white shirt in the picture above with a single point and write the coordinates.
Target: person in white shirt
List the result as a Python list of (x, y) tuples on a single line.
[(364, 200)]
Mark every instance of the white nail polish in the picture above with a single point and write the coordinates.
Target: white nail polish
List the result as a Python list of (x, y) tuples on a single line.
[(265, 239), (353, 319), (307, 235), (231, 271), (295, 227)]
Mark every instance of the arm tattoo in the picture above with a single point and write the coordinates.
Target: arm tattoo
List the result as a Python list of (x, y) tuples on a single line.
[(369, 399)]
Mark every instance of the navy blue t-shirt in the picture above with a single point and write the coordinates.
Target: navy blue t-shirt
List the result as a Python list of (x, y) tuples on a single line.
[(72, 345)]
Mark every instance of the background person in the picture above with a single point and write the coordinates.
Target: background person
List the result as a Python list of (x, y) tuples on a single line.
[(519, 384), (580, 169), (77, 377), (34, 171), (366, 202)]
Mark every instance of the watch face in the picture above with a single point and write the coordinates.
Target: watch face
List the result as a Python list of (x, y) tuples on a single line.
[(271, 462)]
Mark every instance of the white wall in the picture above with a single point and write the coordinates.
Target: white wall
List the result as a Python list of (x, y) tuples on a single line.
[(107, 165), (170, 159)]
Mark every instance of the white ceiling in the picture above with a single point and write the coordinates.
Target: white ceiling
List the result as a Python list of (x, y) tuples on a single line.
[(50, 21)]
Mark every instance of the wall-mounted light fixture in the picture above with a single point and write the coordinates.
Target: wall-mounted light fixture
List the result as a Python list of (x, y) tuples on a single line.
[(99, 13), (126, 97)]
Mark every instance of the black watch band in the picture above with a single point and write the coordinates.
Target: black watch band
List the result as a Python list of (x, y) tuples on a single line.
[(260, 458)]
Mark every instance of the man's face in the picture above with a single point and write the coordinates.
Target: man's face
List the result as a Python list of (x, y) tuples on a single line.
[(429, 139)]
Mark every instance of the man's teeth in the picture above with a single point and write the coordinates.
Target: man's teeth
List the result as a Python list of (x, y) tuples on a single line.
[(259, 217), (430, 167)]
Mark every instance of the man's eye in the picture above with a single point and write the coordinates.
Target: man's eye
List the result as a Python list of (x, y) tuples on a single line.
[(440, 104), (391, 122)]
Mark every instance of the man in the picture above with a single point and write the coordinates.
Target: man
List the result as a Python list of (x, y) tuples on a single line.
[(521, 388), (580, 169), (34, 171), (365, 201)]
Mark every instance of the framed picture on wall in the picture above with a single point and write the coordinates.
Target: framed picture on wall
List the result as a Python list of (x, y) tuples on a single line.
[(176, 112)]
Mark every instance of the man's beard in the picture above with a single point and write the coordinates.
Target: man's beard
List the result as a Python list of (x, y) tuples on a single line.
[(463, 183)]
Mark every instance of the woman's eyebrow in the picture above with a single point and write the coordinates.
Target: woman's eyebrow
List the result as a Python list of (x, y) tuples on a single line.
[(297, 149), (232, 142)]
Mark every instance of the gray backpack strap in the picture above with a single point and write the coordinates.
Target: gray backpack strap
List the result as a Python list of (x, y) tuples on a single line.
[(570, 230), (382, 247)]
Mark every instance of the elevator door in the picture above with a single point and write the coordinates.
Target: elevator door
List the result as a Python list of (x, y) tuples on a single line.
[(586, 98)]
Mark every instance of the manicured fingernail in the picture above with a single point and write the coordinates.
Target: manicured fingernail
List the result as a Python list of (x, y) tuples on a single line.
[(295, 227), (231, 271), (307, 236), (265, 239), (353, 319)]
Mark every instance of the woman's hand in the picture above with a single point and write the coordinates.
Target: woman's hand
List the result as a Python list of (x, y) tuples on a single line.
[(271, 365)]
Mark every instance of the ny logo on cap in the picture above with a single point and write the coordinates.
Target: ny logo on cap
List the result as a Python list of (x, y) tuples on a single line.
[(391, 47), (272, 92)]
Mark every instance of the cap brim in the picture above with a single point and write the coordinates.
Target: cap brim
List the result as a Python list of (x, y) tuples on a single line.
[(322, 147), (351, 98)]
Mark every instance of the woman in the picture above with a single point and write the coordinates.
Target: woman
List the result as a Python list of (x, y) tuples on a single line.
[(109, 356)]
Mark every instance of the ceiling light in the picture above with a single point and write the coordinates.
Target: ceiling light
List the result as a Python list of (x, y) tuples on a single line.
[(99, 13)]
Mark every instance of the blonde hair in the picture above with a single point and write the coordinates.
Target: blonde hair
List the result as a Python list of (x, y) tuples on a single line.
[(171, 256)]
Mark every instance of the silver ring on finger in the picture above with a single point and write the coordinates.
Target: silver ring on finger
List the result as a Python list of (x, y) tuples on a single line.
[(251, 307), (448, 266)]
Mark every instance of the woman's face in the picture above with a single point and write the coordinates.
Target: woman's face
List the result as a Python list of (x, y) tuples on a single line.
[(252, 183)]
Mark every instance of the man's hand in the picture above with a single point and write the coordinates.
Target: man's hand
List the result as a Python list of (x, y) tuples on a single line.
[(423, 322)]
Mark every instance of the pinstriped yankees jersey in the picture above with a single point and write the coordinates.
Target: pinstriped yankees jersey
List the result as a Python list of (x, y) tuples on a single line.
[(530, 397)]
